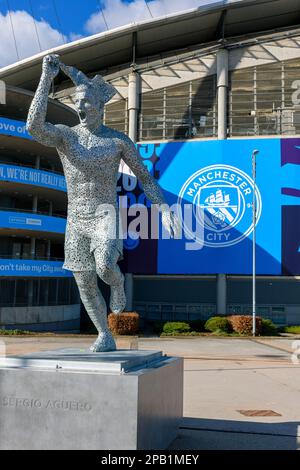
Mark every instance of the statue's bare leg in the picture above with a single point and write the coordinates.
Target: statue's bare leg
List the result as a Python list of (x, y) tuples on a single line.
[(95, 306), (109, 272)]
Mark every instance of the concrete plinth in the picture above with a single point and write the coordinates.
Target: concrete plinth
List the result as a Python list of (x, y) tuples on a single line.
[(75, 399)]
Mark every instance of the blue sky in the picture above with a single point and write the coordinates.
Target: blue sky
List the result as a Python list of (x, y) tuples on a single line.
[(72, 14), (39, 25)]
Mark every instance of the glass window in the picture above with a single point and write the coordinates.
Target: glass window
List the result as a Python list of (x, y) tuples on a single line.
[(7, 292), (43, 292), (204, 107), (41, 249), (63, 291), (291, 113), (15, 293), (115, 115), (15, 247), (241, 102), (5, 247), (151, 122), (57, 250), (268, 98), (52, 300), (178, 112), (182, 112), (21, 292), (262, 99)]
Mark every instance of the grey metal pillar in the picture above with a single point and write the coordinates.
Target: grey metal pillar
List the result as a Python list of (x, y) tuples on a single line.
[(34, 204), (221, 294), (222, 89), (30, 284), (37, 162), (32, 248), (133, 109), (133, 104), (129, 291), (46, 281), (48, 249)]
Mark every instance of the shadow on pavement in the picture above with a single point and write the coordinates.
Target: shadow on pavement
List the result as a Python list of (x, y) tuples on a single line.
[(214, 434)]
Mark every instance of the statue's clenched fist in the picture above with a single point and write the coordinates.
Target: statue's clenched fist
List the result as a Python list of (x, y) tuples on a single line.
[(51, 65)]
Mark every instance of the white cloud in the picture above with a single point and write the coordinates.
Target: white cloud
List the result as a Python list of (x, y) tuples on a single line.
[(26, 37), (75, 36), (118, 13)]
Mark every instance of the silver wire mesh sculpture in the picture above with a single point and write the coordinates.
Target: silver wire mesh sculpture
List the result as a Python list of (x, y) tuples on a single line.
[(90, 154)]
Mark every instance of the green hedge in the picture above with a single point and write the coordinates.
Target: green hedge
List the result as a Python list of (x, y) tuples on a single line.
[(268, 328), (219, 324), (15, 333), (216, 325), (293, 329), (176, 327), (195, 325)]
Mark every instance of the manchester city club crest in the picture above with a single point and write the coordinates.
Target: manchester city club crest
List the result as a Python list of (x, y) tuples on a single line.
[(222, 198)]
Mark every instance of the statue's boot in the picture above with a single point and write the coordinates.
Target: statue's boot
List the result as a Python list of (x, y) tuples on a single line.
[(117, 298), (95, 306)]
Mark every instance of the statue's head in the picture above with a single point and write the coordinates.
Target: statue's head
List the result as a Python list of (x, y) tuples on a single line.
[(90, 98)]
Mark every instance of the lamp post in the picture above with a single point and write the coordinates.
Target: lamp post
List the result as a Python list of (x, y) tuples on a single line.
[(254, 154)]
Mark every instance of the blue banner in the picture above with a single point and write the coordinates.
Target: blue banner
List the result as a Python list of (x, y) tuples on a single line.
[(32, 176), (32, 268), (14, 128), (30, 221), (215, 179)]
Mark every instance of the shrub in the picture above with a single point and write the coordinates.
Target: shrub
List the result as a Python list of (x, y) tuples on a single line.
[(196, 326), (268, 328), (220, 324), (293, 329), (15, 333), (126, 323), (242, 324), (176, 327)]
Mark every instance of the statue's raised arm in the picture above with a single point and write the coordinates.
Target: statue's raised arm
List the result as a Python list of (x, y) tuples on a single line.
[(42, 131)]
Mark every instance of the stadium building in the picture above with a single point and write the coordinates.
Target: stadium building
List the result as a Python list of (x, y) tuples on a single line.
[(198, 92)]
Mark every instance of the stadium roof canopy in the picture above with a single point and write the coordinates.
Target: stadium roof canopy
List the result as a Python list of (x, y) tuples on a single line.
[(219, 21)]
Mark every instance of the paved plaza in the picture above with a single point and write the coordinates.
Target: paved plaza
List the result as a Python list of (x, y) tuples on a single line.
[(228, 382)]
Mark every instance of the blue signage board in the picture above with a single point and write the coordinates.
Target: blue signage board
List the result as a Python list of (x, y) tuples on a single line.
[(32, 176), (32, 268), (215, 179), (14, 128), (30, 221)]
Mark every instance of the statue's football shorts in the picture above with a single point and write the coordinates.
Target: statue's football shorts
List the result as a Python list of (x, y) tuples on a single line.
[(84, 235)]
